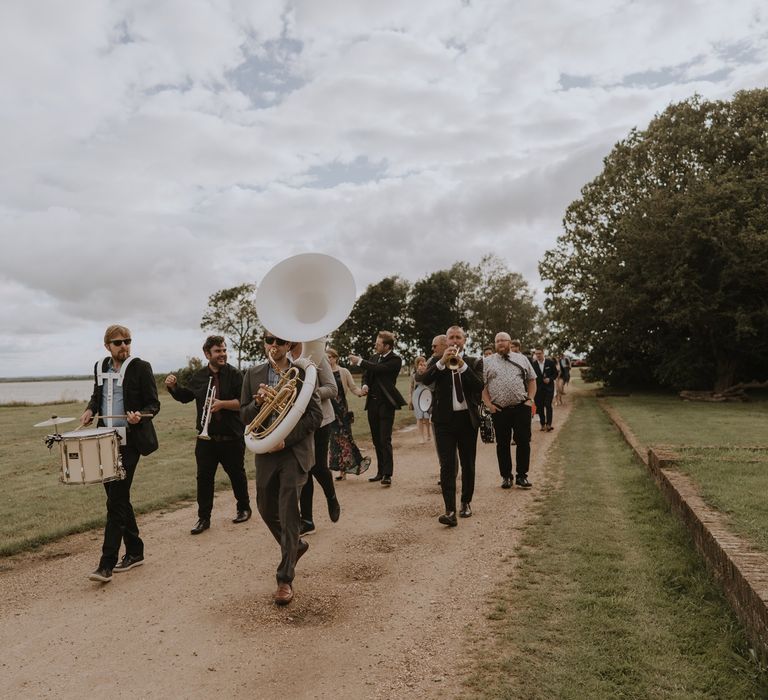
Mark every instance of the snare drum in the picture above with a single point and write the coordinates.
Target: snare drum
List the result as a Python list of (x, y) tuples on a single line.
[(90, 456)]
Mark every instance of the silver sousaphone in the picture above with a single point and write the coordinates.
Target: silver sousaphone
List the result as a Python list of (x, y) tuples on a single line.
[(302, 299)]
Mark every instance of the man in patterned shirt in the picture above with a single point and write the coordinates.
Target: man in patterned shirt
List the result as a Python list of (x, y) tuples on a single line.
[(510, 386)]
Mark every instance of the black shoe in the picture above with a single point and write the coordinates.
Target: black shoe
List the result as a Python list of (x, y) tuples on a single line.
[(301, 550), (242, 516), (307, 528), (448, 519), (102, 574), (466, 511), (386, 481), (506, 483), (523, 483), (129, 561), (202, 524), (378, 477), (334, 509)]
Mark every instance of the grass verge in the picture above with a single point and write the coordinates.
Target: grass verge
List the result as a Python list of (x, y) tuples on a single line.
[(609, 599)]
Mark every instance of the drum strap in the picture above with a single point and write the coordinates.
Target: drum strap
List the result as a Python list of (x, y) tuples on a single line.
[(112, 377)]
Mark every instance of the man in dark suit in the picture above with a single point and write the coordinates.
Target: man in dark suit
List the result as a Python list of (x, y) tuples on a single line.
[(546, 374), (224, 442), (124, 389), (282, 473), (456, 420), (382, 400)]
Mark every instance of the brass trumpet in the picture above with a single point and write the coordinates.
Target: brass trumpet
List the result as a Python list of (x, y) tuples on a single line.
[(454, 361), (278, 402)]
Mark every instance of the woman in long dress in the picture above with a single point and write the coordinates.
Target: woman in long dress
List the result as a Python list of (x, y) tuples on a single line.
[(416, 402), (345, 456)]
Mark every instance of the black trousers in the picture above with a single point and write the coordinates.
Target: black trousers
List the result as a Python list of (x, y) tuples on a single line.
[(320, 471), (543, 401), (517, 420), (230, 454), (458, 435), (381, 417), (121, 521)]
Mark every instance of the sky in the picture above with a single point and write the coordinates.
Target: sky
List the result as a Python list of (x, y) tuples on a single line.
[(156, 151)]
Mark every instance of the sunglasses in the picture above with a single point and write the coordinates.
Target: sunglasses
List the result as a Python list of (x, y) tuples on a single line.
[(271, 340), (120, 341)]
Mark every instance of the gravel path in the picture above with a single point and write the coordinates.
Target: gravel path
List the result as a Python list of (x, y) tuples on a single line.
[(387, 599)]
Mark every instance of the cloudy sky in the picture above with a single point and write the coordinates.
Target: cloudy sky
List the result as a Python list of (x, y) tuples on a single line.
[(155, 151)]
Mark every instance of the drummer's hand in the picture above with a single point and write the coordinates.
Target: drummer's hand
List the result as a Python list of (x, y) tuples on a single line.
[(170, 381), (133, 416), (280, 446), (87, 417)]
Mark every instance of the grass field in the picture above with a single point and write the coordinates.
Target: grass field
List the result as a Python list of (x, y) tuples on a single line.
[(609, 599), (724, 448), (36, 508)]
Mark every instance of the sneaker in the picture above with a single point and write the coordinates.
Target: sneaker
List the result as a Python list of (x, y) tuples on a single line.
[(523, 483), (102, 574), (129, 561), (466, 511), (506, 483), (307, 528), (448, 519)]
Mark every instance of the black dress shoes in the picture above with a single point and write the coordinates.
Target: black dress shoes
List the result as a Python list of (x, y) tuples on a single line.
[(301, 550), (202, 524), (506, 483), (523, 483), (378, 477), (466, 511), (386, 481), (334, 509), (242, 516), (448, 519)]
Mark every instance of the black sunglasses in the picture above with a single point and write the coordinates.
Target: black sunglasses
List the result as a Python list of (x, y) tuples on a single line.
[(120, 341), (270, 339)]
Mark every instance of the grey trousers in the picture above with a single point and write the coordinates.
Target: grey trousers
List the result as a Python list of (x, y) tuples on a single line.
[(278, 488)]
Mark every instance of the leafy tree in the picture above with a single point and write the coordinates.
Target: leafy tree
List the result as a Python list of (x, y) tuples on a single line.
[(660, 273), (232, 312), (432, 308)]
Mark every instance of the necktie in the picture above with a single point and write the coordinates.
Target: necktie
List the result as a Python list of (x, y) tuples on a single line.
[(457, 387)]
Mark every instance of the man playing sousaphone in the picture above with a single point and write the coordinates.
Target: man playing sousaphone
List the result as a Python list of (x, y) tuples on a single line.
[(124, 389), (282, 472)]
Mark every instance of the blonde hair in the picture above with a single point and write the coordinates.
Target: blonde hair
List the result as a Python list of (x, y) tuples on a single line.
[(419, 359), (113, 330), (333, 353), (388, 338)]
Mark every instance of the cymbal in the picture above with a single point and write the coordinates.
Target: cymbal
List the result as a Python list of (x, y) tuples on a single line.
[(53, 420)]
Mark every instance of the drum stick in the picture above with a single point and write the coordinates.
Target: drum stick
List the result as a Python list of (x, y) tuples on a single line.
[(143, 415)]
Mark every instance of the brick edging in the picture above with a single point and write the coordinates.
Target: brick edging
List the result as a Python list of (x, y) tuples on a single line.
[(741, 571)]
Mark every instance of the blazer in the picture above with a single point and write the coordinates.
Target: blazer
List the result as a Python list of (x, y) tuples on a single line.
[(442, 402), (381, 378), (139, 394), (550, 372), (230, 385), (299, 444)]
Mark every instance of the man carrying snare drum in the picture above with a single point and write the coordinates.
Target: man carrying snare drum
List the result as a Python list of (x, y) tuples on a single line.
[(124, 397)]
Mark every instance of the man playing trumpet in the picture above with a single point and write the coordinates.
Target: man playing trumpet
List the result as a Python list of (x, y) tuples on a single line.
[(216, 390)]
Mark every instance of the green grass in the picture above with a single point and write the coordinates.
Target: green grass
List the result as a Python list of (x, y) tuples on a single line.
[(609, 599), (724, 448), (36, 508)]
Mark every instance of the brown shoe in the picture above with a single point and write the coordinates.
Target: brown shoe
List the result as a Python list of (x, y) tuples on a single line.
[(283, 594)]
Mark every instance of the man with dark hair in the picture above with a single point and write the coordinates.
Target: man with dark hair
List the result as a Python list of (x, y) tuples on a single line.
[(380, 374), (546, 375), (125, 398), (216, 389)]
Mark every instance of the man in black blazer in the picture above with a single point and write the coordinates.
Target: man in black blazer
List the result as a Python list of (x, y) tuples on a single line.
[(456, 419), (546, 374), (124, 386), (382, 400)]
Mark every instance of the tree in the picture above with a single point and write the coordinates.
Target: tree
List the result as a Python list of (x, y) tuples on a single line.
[(660, 273), (432, 308), (232, 312)]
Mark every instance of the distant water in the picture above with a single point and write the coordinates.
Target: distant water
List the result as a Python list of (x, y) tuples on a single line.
[(44, 392)]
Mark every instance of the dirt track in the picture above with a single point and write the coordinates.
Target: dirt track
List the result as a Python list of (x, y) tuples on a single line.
[(385, 598)]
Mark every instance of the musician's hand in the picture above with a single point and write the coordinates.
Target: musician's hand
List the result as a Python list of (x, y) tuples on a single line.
[(449, 353), (133, 417), (87, 417), (170, 381), (491, 407), (280, 446), (261, 395)]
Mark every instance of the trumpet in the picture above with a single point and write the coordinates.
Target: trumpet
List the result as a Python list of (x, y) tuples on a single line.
[(454, 361), (205, 418)]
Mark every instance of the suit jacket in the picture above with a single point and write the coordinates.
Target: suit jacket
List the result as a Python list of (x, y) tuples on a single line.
[(299, 443), (550, 372), (139, 394), (230, 385), (381, 378), (471, 383)]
